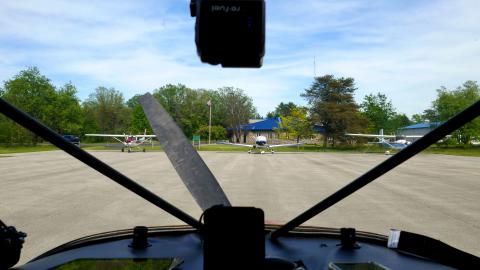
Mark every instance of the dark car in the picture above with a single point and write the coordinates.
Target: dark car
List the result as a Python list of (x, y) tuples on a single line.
[(72, 138)]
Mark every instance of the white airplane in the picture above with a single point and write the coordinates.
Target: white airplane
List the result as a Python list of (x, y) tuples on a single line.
[(388, 141), (261, 144), (128, 141)]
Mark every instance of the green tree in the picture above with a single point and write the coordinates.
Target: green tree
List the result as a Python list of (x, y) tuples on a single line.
[(379, 111), (188, 107), (218, 132), (398, 121), (430, 115), (106, 112), (5, 129), (238, 108), (33, 93), (69, 114), (417, 118), (449, 103), (218, 110), (381, 114), (172, 97), (139, 122), (282, 109), (271, 115), (4, 124), (285, 109), (297, 123), (332, 106)]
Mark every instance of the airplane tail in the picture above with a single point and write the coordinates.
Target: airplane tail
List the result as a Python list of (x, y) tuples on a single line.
[(144, 138), (382, 139)]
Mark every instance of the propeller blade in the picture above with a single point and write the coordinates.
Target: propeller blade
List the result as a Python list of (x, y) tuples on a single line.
[(191, 168)]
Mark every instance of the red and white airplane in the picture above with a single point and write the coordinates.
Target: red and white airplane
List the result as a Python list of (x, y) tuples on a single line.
[(261, 145), (128, 141)]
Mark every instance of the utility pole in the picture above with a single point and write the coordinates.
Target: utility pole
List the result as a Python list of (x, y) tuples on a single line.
[(209, 103)]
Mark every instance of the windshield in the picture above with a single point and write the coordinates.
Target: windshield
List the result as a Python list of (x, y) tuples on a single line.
[(344, 86)]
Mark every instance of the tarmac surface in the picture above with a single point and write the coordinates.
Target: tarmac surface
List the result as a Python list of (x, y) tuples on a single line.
[(55, 198)]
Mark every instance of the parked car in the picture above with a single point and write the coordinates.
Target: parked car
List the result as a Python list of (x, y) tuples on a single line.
[(73, 139)]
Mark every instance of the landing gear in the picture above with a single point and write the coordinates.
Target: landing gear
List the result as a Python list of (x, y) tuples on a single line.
[(143, 150), (129, 150), (123, 149), (272, 152), (249, 151)]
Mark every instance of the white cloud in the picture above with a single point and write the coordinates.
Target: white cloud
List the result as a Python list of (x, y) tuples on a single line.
[(406, 49), (407, 54)]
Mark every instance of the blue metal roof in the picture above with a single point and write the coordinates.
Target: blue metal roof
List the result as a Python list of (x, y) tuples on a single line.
[(318, 128), (265, 125), (423, 125)]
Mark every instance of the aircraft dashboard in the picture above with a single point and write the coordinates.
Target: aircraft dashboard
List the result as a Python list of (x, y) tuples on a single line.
[(181, 248)]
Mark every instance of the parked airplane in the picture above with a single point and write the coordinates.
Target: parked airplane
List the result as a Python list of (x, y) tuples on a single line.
[(128, 141), (261, 144), (388, 141)]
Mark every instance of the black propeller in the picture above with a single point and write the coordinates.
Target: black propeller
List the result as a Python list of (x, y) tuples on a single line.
[(191, 168)]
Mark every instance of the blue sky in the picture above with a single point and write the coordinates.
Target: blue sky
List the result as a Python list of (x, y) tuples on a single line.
[(405, 49)]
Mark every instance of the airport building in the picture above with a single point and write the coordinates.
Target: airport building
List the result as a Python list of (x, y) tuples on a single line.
[(270, 128), (259, 127), (419, 129)]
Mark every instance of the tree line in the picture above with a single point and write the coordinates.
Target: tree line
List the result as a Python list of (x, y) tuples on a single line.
[(330, 106), (106, 110)]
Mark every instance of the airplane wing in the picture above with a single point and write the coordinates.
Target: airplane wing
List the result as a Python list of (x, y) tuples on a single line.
[(145, 136), (120, 135), (106, 135), (286, 145), (115, 136), (369, 135), (236, 144)]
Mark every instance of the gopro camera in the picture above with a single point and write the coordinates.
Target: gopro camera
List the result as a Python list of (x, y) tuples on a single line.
[(230, 33)]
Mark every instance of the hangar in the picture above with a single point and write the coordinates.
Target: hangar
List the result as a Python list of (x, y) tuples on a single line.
[(269, 128), (419, 129), (263, 127)]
